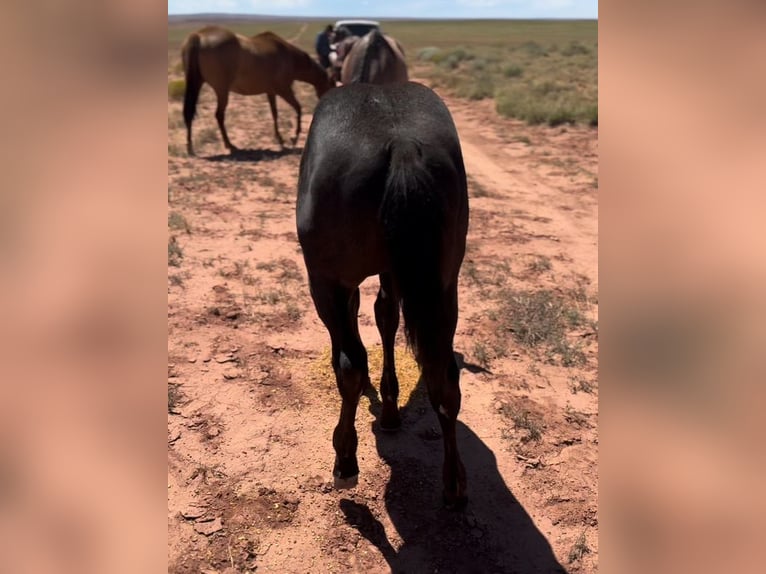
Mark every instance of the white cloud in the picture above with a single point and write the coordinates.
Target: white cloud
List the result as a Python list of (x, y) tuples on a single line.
[(549, 4), (270, 4), (195, 6), (482, 3), (395, 8), (540, 4)]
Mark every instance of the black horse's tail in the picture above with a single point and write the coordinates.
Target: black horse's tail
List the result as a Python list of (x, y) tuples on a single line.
[(413, 218), (192, 76)]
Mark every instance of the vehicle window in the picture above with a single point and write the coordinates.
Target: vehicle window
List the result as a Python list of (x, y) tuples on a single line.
[(359, 29)]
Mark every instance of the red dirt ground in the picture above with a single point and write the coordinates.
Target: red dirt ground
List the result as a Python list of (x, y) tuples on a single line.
[(249, 432)]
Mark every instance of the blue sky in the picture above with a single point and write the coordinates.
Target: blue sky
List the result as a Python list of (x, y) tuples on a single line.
[(395, 8)]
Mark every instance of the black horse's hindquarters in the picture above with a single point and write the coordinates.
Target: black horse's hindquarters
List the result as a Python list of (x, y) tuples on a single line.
[(346, 158), (382, 190)]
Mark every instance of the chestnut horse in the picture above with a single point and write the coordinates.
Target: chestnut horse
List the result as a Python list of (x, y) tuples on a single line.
[(382, 191), (374, 59), (260, 64)]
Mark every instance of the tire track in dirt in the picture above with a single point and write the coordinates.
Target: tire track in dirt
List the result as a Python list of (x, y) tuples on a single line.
[(575, 219)]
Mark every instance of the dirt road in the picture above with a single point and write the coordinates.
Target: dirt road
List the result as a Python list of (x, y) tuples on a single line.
[(253, 403)]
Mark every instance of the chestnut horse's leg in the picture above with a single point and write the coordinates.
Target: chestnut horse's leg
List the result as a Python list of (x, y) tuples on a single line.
[(288, 96), (442, 378), (338, 307), (220, 113), (190, 105), (387, 319), (273, 103)]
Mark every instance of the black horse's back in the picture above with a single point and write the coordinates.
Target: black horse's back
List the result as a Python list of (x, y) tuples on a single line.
[(359, 136), (382, 190)]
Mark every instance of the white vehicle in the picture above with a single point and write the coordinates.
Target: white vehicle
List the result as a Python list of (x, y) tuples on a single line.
[(357, 27)]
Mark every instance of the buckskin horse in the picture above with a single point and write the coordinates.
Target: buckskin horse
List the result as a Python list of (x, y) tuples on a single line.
[(382, 190), (264, 63), (375, 59)]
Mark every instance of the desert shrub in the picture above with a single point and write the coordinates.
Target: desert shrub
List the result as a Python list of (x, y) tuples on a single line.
[(592, 115), (575, 48), (481, 87), (545, 103), (174, 253), (452, 59), (534, 49), (176, 89)]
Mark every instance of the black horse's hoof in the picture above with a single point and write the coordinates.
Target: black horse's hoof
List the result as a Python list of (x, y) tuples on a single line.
[(344, 483), (346, 472)]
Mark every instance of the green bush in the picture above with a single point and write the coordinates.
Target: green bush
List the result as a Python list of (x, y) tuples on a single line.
[(562, 115), (481, 87), (176, 89), (548, 88), (512, 71), (175, 254), (592, 115), (450, 62), (554, 107), (452, 59)]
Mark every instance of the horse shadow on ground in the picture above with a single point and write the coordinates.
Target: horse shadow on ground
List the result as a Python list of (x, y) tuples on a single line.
[(493, 534), (256, 155)]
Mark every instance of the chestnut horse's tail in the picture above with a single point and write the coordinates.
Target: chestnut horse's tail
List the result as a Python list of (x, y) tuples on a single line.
[(192, 76)]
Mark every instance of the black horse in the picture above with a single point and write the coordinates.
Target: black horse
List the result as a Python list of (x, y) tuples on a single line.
[(382, 190)]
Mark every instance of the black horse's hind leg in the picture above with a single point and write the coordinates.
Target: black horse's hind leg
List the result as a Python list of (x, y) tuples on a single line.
[(273, 105), (338, 306), (442, 378), (220, 114), (387, 319), (444, 391)]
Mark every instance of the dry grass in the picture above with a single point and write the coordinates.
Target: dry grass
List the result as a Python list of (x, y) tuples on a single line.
[(539, 265), (175, 120), (523, 420), (579, 549), (407, 370), (175, 397), (175, 254), (208, 136), (481, 354), (581, 385), (178, 222), (540, 321)]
